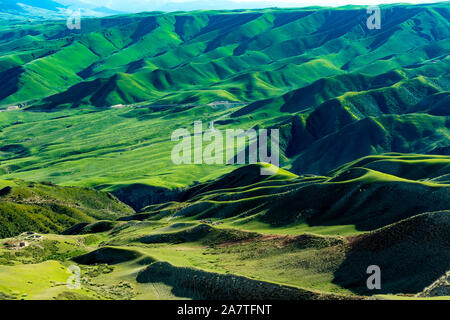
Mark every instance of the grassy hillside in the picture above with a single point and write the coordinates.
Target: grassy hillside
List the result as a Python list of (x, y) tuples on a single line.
[(356, 194), (421, 240), (86, 118), (44, 207), (195, 57), (286, 237), (118, 87)]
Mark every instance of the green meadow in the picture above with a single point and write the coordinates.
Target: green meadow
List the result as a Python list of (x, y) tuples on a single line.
[(87, 177)]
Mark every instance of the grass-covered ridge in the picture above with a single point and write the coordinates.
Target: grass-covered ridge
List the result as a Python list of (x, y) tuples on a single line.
[(211, 55), (117, 88), (284, 237), (44, 207), (356, 194), (364, 178)]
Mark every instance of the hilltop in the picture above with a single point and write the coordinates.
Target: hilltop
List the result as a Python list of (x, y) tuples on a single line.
[(195, 57), (283, 237), (116, 89), (86, 123), (44, 207)]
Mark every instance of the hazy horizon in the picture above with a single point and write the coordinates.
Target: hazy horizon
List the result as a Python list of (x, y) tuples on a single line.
[(146, 5)]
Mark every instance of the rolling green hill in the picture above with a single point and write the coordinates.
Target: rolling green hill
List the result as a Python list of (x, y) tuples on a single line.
[(239, 55), (44, 207), (355, 194), (248, 236), (86, 118), (336, 90)]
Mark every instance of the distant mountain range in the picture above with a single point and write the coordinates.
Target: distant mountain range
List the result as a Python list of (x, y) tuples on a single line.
[(213, 5), (44, 9), (35, 9)]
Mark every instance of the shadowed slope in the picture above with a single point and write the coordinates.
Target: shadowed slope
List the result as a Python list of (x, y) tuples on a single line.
[(351, 195), (411, 254)]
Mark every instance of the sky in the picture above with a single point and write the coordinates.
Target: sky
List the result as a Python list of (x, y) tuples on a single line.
[(148, 5)]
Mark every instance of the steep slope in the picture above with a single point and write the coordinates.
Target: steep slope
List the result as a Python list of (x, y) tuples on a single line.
[(322, 90), (353, 195), (440, 287), (283, 237), (44, 207), (250, 55), (414, 133), (335, 90), (412, 254)]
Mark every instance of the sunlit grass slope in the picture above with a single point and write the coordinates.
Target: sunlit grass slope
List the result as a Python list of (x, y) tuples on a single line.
[(335, 90), (45, 207), (212, 55), (249, 236)]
